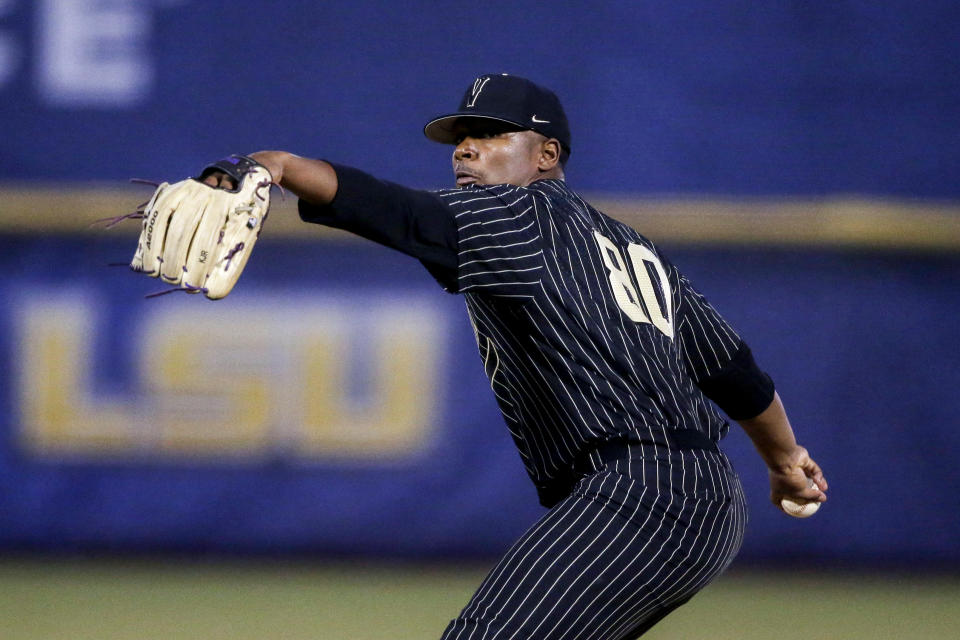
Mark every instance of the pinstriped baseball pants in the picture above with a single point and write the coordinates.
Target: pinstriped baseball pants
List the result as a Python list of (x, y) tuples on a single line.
[(636, 539)]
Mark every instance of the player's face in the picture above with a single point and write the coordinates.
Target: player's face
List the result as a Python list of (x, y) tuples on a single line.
[(494, 152)]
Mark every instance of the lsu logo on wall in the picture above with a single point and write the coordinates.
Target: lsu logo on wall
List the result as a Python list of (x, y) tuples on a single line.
[(295, 378)]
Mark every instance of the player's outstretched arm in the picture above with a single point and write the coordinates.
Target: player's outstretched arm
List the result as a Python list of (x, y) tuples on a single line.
[(312, 180), (788, 463), (414, 222)]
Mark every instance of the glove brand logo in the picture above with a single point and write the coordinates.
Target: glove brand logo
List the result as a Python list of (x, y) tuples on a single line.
[(203, 256), (150, 223), (478, 86)]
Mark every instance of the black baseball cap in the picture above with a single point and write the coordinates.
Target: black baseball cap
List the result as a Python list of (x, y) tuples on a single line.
[(509, 99)]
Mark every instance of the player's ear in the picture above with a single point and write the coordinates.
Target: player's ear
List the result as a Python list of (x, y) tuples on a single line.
[(549, 154)]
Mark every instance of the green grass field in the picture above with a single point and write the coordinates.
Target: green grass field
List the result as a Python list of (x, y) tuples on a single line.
[(147, 599)]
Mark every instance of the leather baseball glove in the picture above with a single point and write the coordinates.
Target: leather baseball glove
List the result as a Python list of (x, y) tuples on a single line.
[(200, 237)]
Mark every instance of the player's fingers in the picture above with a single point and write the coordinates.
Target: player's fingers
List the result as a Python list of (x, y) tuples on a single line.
[(821, 481), (795, 485), (219, 180), (810, 493), (813, 492), (814, 472)]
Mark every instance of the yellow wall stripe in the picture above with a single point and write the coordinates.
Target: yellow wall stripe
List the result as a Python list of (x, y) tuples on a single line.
[(828, 222)]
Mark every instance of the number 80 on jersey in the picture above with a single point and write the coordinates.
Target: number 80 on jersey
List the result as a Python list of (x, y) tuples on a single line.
[(660, 315)]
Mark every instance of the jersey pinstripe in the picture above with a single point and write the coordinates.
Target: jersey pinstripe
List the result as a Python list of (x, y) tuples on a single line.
[(586, 331)]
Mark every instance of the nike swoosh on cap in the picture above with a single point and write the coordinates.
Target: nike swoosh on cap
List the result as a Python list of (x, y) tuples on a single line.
[(534, 118)]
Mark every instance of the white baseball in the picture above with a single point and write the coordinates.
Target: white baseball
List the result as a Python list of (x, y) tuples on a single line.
[(800, 509)]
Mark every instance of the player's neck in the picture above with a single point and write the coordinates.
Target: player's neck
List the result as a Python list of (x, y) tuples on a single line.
[(555, 173)]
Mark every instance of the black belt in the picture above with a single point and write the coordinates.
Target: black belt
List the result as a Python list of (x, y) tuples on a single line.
[(682, 439)]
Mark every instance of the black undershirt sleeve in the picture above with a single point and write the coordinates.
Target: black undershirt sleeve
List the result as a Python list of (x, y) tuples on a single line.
[(741, 388), (414, 222)]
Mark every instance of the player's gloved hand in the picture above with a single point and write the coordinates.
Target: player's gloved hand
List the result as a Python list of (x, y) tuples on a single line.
[(800, 480), (198, 233)]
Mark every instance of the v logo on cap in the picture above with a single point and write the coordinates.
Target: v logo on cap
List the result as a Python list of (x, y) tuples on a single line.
[(478, 85)]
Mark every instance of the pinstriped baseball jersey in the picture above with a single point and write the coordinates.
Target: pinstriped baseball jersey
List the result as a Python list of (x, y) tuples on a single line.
[(586, 331), (590, 337)]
